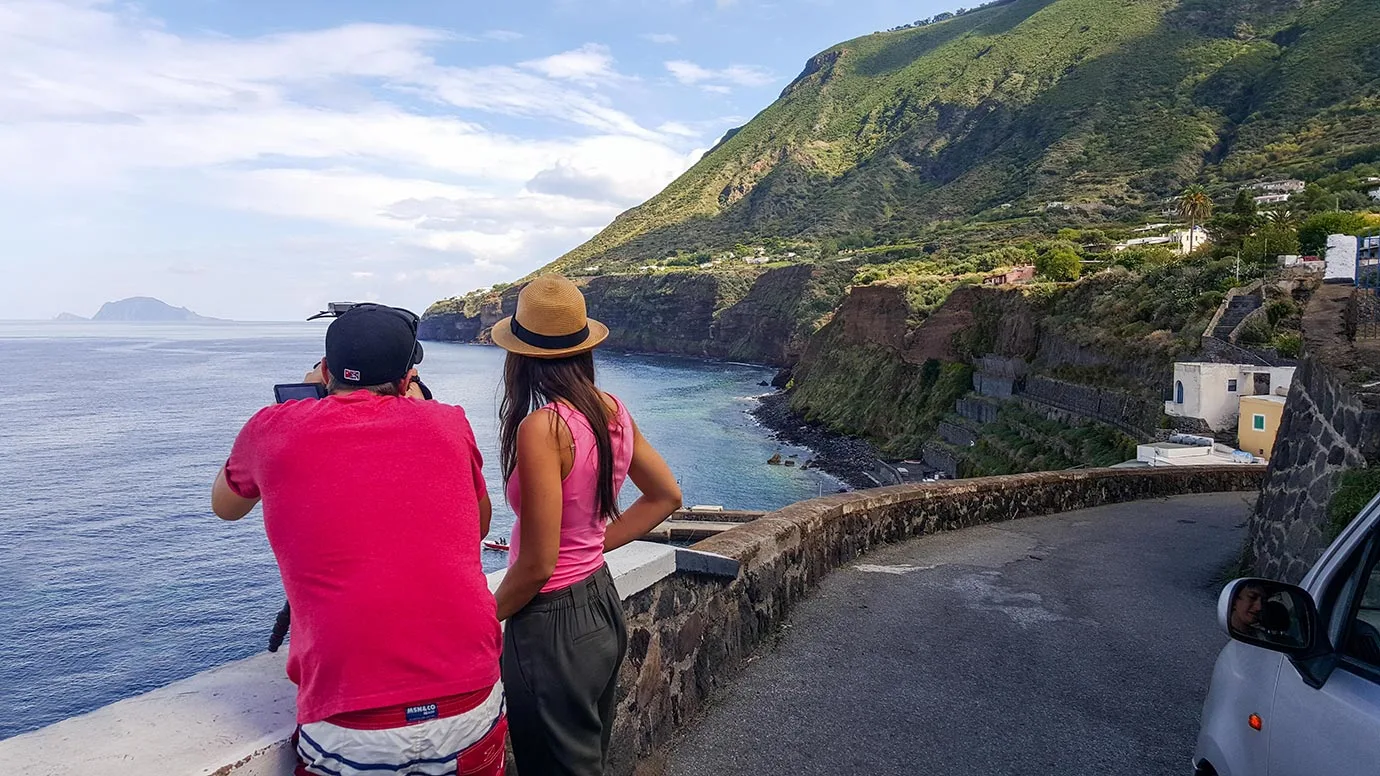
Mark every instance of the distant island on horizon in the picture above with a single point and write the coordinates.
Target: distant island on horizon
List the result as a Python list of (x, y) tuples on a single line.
[(139, 309)]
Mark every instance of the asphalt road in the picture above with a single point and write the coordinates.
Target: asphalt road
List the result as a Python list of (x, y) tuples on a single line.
[(1079, 643)]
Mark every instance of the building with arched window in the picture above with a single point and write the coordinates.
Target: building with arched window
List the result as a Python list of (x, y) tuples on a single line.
[(1213, 392)]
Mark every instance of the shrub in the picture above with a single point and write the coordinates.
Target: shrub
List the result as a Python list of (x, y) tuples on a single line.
[(1210, 300), (1257, 331), (1002, 257), (1289, 345), (1142, 256), (1280, 310), (1315, 231), (1059, 264), (869, 275), (1356, 489)]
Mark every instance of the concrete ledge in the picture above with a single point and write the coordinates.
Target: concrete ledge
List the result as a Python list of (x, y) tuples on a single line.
[(234, 720)]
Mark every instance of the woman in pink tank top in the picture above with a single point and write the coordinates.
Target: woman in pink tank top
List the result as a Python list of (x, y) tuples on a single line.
[(566, 449)]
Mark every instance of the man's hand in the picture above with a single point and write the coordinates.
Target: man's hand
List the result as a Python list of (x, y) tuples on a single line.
[(414, 389), (316, 375)]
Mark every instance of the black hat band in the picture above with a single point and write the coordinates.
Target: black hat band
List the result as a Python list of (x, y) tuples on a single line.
[(546, 342)]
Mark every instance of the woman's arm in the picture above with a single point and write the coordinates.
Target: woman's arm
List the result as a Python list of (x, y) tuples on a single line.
[(660, 496), (539, 470)]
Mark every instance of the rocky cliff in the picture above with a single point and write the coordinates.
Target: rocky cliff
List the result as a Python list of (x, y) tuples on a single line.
[(987, 383), (764, 317)]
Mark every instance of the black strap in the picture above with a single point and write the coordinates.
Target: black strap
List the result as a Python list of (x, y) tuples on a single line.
[(548, 343)]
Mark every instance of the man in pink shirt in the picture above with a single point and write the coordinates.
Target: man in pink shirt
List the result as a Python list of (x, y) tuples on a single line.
[(375, 505)]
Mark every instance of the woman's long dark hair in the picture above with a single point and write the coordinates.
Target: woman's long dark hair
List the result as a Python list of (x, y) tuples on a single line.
[(532, 383)]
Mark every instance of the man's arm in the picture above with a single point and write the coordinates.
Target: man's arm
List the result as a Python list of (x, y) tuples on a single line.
[(486, 513), (226, 503)]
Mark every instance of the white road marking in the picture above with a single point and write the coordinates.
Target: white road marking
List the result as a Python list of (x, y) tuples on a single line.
[(902, 568)]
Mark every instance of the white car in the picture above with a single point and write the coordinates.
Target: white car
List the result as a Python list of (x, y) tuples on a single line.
[(1297, 690)]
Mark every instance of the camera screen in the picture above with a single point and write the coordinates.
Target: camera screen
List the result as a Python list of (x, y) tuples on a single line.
[(297, 391)]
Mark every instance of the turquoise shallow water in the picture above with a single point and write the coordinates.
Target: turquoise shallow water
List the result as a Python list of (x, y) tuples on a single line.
[(114, 576)]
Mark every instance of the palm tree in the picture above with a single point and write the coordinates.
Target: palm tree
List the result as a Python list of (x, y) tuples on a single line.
[(1283, 216), (1196, 206)]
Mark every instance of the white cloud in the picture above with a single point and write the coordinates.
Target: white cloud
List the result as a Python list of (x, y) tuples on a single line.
[(357, 128), (677, 128), (722, 80), (503, 36), (590, 62), (660, 37)]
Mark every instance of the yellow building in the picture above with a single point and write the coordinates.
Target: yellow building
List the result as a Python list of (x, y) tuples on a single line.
[(1258, 423)]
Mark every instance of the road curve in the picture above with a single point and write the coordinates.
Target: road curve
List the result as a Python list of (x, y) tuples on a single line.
[(1078, 643)]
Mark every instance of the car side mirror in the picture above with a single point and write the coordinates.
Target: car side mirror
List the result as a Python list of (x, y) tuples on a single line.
[(1269, 614)]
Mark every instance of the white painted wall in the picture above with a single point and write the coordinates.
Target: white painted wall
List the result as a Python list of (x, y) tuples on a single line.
[(1341, 258), (1208, 394)]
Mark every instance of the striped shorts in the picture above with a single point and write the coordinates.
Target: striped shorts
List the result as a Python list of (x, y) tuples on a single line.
[(446, 737)]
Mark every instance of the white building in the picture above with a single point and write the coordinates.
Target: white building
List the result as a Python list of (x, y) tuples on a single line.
[(1375, 194), (1176, 241), (1290, 186), (1272, 199), (1212, 392)]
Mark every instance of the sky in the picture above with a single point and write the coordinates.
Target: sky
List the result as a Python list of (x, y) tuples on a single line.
[(255, 159)]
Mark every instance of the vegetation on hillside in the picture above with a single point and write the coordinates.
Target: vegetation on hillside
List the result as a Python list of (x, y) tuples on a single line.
[(1012, 118)]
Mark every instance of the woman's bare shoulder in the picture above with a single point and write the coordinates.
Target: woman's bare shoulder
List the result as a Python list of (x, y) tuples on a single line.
[(612, 403)]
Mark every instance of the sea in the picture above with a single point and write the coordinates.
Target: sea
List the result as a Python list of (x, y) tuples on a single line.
[(115, 578)]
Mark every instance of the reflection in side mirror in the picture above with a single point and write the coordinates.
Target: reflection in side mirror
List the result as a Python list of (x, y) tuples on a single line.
[(1269, 614)]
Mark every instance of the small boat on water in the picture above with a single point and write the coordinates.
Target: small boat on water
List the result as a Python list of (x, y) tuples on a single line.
[(498, 545)]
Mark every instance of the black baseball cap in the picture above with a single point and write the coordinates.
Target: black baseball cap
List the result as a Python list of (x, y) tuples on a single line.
[(372, 344)]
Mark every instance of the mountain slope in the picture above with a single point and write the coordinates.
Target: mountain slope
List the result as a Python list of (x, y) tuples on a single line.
[(1110, 105)]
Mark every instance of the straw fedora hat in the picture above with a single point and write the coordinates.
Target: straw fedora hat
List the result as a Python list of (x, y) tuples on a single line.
[(550, 321)]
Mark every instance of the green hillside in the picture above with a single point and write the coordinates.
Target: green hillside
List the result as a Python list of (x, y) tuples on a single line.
[(974, 125)]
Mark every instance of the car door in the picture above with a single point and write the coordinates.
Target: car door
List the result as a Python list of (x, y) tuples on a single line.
[(1335, 729)]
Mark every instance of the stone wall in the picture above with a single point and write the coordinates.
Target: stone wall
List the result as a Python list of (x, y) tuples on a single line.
[(956, 434), (1132, 414), (941, 457), (689, 637), (978, 410), (1331, 424)]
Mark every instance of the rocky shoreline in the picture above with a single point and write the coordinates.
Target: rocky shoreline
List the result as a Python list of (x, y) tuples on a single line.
[(851, 460)]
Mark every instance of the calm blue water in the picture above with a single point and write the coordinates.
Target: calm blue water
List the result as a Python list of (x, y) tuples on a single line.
[(114, 576)]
